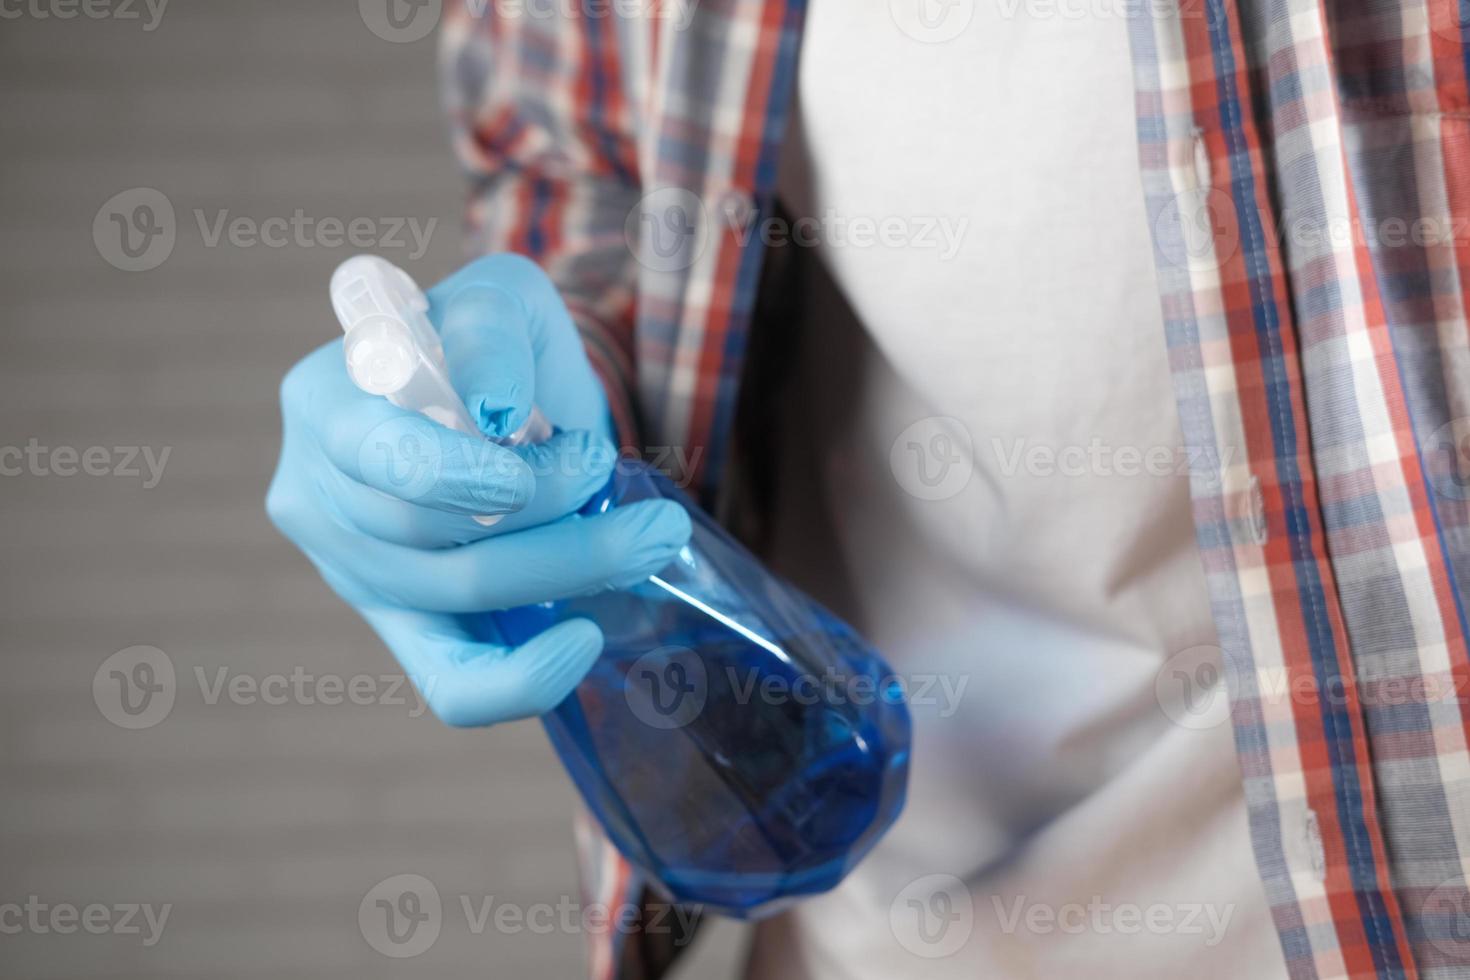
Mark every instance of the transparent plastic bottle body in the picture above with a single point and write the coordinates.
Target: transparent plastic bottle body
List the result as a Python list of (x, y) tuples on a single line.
[(737, 742)]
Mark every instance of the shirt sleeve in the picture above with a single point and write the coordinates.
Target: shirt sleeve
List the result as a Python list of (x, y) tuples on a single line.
[(543, 128)]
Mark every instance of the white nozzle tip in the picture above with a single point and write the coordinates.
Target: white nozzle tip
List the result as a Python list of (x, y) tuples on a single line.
[(366, 285), (380, 355)]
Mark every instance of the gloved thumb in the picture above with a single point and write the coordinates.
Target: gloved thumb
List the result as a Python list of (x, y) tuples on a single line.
[(529, 680), (487, 347)]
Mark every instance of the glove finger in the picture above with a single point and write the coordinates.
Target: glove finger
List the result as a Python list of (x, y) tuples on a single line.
[(569, 468), (487, 347), (379, 516), (468, 682), (510, 342), (401, 453), (573, 556)]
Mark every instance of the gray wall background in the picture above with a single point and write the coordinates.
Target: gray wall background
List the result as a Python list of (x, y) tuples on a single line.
[(263, 825)]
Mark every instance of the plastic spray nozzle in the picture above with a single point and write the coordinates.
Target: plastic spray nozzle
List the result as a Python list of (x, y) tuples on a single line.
[(392, 350), (365, 287), (390, 347)]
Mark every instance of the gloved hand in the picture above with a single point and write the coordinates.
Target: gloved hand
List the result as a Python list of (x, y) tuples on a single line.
[(383, 500)]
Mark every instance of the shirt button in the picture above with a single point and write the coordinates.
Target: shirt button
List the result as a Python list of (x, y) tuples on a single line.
[(1256, 511), (1202, 173), (1312, 838)]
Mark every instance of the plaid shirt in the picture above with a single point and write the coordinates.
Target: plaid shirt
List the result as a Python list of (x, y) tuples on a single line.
[(1307, 170)]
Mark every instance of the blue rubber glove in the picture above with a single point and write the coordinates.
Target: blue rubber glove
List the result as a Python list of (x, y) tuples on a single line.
[(383, 500)]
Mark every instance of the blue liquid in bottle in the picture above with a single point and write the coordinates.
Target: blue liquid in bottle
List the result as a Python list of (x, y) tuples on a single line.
[(738, 743)]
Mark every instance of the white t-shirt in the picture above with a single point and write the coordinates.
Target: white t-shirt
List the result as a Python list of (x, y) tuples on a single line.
[(997, 461)]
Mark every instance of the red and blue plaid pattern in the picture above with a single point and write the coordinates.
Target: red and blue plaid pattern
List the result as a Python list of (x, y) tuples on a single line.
[(1320, 352), (1307, 168)]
